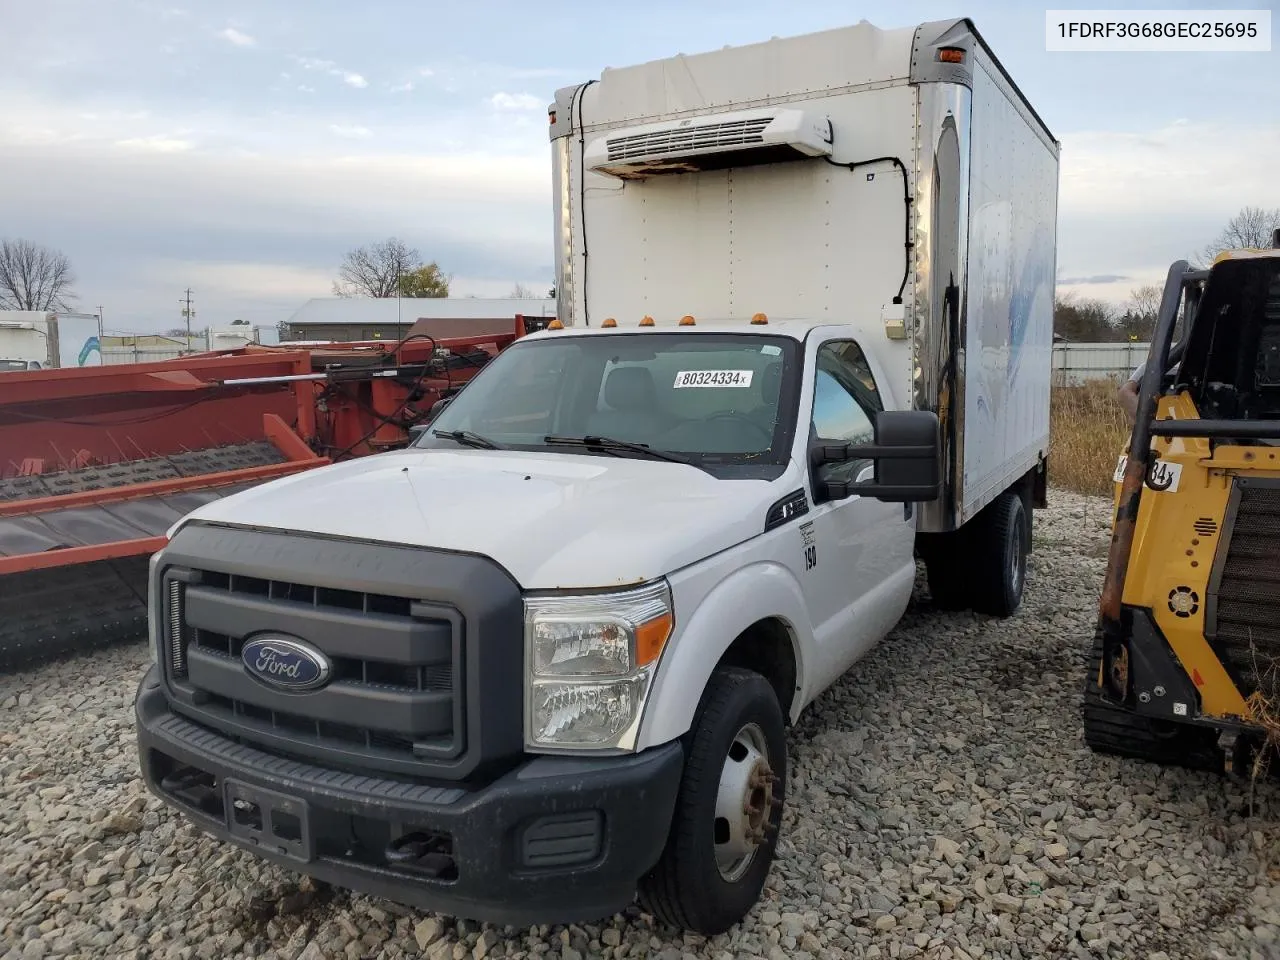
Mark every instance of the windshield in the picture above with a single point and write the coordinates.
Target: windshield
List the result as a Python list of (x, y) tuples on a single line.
[(710, 398), (13, 365)]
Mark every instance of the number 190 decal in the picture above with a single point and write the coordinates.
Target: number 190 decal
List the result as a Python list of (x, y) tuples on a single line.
[(713, 378)]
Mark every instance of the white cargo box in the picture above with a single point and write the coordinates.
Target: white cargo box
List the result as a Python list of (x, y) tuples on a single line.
[(858, 175)]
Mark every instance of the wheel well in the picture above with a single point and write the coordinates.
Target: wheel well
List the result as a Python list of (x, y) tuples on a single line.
[(766, 647)]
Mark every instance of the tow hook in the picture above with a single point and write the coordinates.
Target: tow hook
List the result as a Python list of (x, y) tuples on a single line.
[(421, 852)]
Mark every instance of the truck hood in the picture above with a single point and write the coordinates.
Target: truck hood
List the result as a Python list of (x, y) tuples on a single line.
[(553, 520)]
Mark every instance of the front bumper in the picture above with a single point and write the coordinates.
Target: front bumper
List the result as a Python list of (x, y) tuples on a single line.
[(556, 840)]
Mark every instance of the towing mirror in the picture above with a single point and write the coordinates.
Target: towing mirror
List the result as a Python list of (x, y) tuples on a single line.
[(907, 453)]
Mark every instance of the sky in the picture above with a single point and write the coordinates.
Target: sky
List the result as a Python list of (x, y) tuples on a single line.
[(240, 149)]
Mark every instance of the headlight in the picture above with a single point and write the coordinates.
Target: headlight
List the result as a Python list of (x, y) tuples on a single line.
[(589, 661)]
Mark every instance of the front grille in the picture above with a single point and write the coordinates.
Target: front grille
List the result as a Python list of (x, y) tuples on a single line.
[(1243, 616), (393, 701)]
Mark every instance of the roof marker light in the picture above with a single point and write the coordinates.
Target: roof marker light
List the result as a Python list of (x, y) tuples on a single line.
[(686, 321), (951, 54), (647, 322), (609, 322), (759, 319), (555, 325)]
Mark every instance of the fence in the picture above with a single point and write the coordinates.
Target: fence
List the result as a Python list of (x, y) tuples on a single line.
[(1075, 363)]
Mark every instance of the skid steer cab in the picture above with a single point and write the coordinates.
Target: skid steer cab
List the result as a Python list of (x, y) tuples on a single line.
[(1185, 662)]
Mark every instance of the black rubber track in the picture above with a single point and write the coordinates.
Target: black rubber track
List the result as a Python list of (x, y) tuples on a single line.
[(46, 614), (1113, 730)]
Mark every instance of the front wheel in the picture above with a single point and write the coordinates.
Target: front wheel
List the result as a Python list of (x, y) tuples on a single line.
[(725, 828)]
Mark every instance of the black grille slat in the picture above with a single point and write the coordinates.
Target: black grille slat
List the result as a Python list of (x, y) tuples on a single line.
[(1244, 627), (393, 671)]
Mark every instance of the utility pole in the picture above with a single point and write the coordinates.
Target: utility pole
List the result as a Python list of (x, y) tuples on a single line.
[(188, 313)]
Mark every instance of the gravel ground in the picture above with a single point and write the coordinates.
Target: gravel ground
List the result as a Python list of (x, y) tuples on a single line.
[(941, 805)]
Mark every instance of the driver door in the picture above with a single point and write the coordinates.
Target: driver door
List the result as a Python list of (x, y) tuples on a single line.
[(860, 568)]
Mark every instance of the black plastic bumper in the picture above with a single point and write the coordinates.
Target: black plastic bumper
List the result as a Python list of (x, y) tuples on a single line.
[(555, 840)]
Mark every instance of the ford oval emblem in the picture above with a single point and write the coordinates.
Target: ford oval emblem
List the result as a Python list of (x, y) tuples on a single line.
[(286, 662)]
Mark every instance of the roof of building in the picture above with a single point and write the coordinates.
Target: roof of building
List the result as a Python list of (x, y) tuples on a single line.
[(406, 310)]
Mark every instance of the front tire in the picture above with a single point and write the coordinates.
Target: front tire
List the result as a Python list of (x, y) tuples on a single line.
[(725, 828)]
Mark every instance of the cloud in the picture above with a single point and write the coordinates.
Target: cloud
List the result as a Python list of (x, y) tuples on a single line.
[(243, 280), (311, 63), (1132, 203), (271, 228), (1098, 278), (405, 87), (350, 132), (517, 101), (156, 144), (349, 77), (236, 38)]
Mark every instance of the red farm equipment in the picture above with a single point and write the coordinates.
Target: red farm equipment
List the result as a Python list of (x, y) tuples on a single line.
[(97, 463)]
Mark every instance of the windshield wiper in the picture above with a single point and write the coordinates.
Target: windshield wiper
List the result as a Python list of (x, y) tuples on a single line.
[(468, 439), (609, 444)]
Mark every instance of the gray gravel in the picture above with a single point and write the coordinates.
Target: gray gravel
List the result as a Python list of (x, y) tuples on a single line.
[(941, 805)]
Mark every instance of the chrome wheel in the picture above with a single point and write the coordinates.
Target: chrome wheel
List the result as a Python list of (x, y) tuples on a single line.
[(744, 803)]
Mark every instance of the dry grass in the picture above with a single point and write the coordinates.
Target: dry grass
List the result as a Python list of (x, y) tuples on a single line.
[(1087, 432)]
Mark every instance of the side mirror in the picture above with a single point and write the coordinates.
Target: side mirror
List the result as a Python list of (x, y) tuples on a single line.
[(907, 453), (438, 407)]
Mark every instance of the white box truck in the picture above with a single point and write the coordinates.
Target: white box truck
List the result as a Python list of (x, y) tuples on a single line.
[(545, 658)]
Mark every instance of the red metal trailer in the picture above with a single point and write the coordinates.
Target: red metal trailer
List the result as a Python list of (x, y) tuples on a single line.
[(97, 463)]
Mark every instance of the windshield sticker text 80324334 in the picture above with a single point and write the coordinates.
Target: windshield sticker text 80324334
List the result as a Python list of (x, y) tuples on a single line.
[(713, 378)]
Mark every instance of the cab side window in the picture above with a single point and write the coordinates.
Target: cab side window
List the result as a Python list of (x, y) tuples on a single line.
[(845, 402)]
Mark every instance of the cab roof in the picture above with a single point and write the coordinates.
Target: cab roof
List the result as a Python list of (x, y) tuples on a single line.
[(796, 328)]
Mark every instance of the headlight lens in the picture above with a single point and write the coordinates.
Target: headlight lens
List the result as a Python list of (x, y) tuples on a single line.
[(589, 663)]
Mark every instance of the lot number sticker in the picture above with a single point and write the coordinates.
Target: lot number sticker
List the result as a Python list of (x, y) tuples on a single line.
[(713, 378), (1162, 476)]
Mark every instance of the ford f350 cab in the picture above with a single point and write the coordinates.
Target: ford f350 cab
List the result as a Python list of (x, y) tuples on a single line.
[(546, 656)]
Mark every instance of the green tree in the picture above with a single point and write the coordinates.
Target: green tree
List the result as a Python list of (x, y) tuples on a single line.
[(1084, 320), (424, 281), (1138, 322)]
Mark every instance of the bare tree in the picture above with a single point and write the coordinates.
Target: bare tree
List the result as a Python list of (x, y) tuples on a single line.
[(1251, 227), (376, 270), (33, 277), (520, 292)]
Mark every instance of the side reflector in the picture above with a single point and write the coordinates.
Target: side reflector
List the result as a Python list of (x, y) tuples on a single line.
[(647, 322), (759, 319)]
